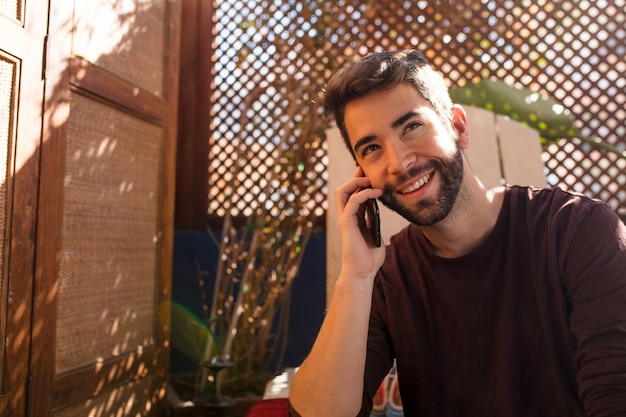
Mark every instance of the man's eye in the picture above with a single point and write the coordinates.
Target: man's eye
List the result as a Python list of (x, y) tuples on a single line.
[(411, 126), (369, 149)]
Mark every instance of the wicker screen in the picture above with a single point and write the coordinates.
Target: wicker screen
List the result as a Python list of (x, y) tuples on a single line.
[(109, 249), (11, 8), (7, 101), (123, 401), (125, 37), (7, 114), (571, 50)]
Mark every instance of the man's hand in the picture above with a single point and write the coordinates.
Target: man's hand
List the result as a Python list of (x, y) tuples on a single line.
[(330, 381), (360, 256)]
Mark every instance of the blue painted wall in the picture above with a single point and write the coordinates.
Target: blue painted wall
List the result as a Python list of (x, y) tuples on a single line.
[(308, 300)]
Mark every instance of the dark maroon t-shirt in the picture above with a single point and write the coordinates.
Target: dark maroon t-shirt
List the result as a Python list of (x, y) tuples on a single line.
[(532, 323)]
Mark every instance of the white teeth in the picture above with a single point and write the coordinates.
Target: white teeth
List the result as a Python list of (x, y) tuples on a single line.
[(418, 184)]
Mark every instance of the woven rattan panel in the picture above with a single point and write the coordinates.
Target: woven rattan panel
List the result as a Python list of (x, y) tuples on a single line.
[(125, 37), (11, 8), (572, 50), (132, 400), (109, 244), (7, 82)]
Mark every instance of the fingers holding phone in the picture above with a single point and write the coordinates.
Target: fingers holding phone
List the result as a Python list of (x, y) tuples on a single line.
[(358, 225), (366, 211)]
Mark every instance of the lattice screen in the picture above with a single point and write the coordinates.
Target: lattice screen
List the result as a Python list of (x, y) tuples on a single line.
[(572, 50)]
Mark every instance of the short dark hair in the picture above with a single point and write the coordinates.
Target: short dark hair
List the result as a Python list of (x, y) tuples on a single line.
[(382, 71)]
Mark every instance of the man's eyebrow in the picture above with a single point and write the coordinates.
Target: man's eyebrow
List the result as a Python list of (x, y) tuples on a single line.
[(400, 121), (397, 123)]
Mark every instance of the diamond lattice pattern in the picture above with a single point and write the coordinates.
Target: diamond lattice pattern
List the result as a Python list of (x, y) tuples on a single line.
[(572, 51)]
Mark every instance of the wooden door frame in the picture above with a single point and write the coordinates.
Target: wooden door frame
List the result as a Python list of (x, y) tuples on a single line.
[(67, 74), (25, 39), (197, 90)]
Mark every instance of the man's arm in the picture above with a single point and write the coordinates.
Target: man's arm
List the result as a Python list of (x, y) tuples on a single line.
[(595, 273), (330, 381)]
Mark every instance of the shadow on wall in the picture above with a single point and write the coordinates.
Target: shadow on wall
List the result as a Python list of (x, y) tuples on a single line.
[(193, 249)]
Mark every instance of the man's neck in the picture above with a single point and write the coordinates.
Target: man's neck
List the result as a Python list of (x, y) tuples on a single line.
[(472, 218)]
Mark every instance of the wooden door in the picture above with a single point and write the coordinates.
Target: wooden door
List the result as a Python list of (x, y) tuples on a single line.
[(22, 48), (105, 212)]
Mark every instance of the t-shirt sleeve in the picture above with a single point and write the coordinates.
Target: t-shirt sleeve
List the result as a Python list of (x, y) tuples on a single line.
[(594, 273)]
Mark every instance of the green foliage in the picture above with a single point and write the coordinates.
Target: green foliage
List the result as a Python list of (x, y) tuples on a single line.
[(536, 110), (545, 114)]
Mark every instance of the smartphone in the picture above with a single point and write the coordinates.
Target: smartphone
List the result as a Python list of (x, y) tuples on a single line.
[(373, 215)]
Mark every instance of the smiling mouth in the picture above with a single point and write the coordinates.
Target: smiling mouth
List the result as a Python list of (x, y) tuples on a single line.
[(416, 185)]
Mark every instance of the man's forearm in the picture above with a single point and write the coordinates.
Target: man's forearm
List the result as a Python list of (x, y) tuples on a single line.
[(330, 381)]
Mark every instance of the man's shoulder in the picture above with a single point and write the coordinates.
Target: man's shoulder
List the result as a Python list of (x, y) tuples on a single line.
[(555, 205), (531, 193), (553, 199)]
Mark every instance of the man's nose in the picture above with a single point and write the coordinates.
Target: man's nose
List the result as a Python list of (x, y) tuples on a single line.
[(399, 158)]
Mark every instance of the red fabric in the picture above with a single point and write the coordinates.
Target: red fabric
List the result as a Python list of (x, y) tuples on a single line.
[(275, 407)]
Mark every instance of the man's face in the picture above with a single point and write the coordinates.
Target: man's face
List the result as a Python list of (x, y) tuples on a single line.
[(405, 149)]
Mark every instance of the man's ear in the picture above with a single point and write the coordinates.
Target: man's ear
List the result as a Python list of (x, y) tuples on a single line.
[(459, 124)]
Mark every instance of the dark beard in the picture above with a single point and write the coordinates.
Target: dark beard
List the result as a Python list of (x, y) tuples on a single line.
[(429, 212)]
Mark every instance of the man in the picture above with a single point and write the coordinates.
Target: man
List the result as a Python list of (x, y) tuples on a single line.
[(495, 301)]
